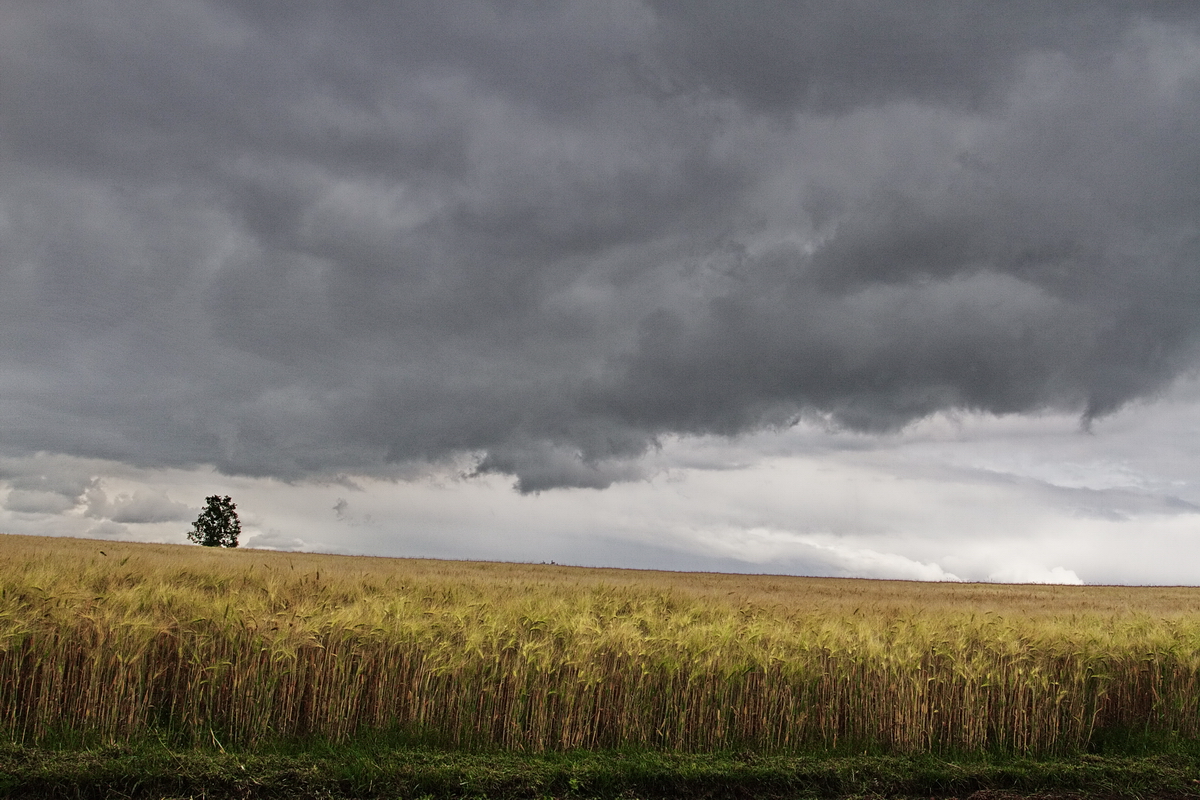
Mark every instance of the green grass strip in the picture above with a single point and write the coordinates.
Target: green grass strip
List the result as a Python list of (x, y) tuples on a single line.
[(364, 773)]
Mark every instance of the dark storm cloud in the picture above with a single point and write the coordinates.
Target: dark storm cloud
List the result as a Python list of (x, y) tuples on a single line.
[(779, 56), (298, 240)]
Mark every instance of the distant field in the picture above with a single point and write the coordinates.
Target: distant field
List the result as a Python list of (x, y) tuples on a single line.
[(243, 647)]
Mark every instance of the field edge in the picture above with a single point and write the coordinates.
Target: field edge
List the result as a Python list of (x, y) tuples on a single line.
[(151, 770)]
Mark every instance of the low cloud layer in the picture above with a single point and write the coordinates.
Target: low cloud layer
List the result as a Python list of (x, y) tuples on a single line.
[(970, 497), (535, 239)]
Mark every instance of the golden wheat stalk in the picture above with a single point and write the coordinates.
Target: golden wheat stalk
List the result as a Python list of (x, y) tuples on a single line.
[(247, 646)]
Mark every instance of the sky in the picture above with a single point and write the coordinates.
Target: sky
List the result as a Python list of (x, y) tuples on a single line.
[(871, 288)]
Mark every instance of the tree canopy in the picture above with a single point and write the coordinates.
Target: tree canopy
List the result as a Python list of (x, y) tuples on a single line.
[(218, 525)]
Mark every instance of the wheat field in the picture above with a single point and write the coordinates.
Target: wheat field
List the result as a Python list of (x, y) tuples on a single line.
[(118, 641)]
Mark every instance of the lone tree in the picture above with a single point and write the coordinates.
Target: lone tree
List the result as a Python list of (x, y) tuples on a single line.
[(218, 526)]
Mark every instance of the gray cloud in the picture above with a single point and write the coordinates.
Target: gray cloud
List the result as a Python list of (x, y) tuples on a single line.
[(25, 501), (832, 57), (66, 480), (298, 243), (138, 507)]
